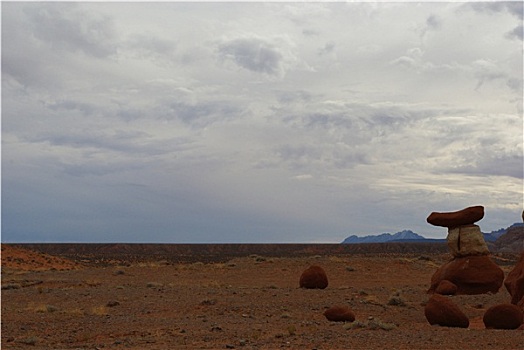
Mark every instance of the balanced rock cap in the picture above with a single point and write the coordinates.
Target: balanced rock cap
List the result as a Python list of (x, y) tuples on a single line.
[(467, 216)]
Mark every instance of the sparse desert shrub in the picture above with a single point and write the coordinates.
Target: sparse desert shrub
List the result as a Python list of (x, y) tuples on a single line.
[(396, 300), (208, 302), (29, 341), (76, 311), (354, 325), (373, 324), (372, 300), (11, 286), (154, 285), (99, 311), (46, 308), (378, 324), (93, 283)]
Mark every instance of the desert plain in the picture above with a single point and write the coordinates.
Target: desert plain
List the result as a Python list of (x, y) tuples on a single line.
[(236, 301)]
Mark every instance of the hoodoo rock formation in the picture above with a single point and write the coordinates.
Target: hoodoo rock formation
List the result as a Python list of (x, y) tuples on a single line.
[(471, 269), (514, 282), (314, 277)]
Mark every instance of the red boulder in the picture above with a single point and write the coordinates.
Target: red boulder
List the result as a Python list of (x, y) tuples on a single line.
[(314, 277), (503, 316), (514, 283), (467, 216), (476, 274), (443, 312), (446, 287), (339, 314)]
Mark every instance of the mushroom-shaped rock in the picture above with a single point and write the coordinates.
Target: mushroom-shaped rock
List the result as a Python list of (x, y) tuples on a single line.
[(467, 216), (339, 314), (446, 287), (443, 312), (503, 316), (314, 277), (475, 274), (514, 282)]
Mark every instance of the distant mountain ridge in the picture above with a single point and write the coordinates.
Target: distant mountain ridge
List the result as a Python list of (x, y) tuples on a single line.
[(406, 235), (494, 235), (410, 236)]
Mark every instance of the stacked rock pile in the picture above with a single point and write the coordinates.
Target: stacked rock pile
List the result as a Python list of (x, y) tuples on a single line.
[(471, 270)]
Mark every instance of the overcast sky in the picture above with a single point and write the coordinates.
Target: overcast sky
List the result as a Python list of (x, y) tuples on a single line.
[(257, 122)]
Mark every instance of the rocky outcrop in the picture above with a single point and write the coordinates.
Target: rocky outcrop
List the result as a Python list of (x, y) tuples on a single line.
[(503, 316), (313, 277), (467, 216), (514, 283), (441, 311), (339, 314), (512, 241), (471, 274)]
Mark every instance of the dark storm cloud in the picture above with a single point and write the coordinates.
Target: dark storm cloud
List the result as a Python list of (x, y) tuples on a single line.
[(253, 54)]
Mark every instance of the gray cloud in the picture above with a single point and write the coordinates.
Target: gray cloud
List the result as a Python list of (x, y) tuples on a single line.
[(433, 23), (492, 164), (516, 33), (149, 46), (64, 27), (515, 8), (118, 124), (327, 49), (254, 54), (201, 114)]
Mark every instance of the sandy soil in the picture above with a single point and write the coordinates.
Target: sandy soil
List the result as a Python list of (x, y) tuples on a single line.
[(245, 303)]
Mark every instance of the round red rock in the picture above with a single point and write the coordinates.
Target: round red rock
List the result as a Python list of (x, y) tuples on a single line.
[(314, 277), (503, 316), (339, 314)]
